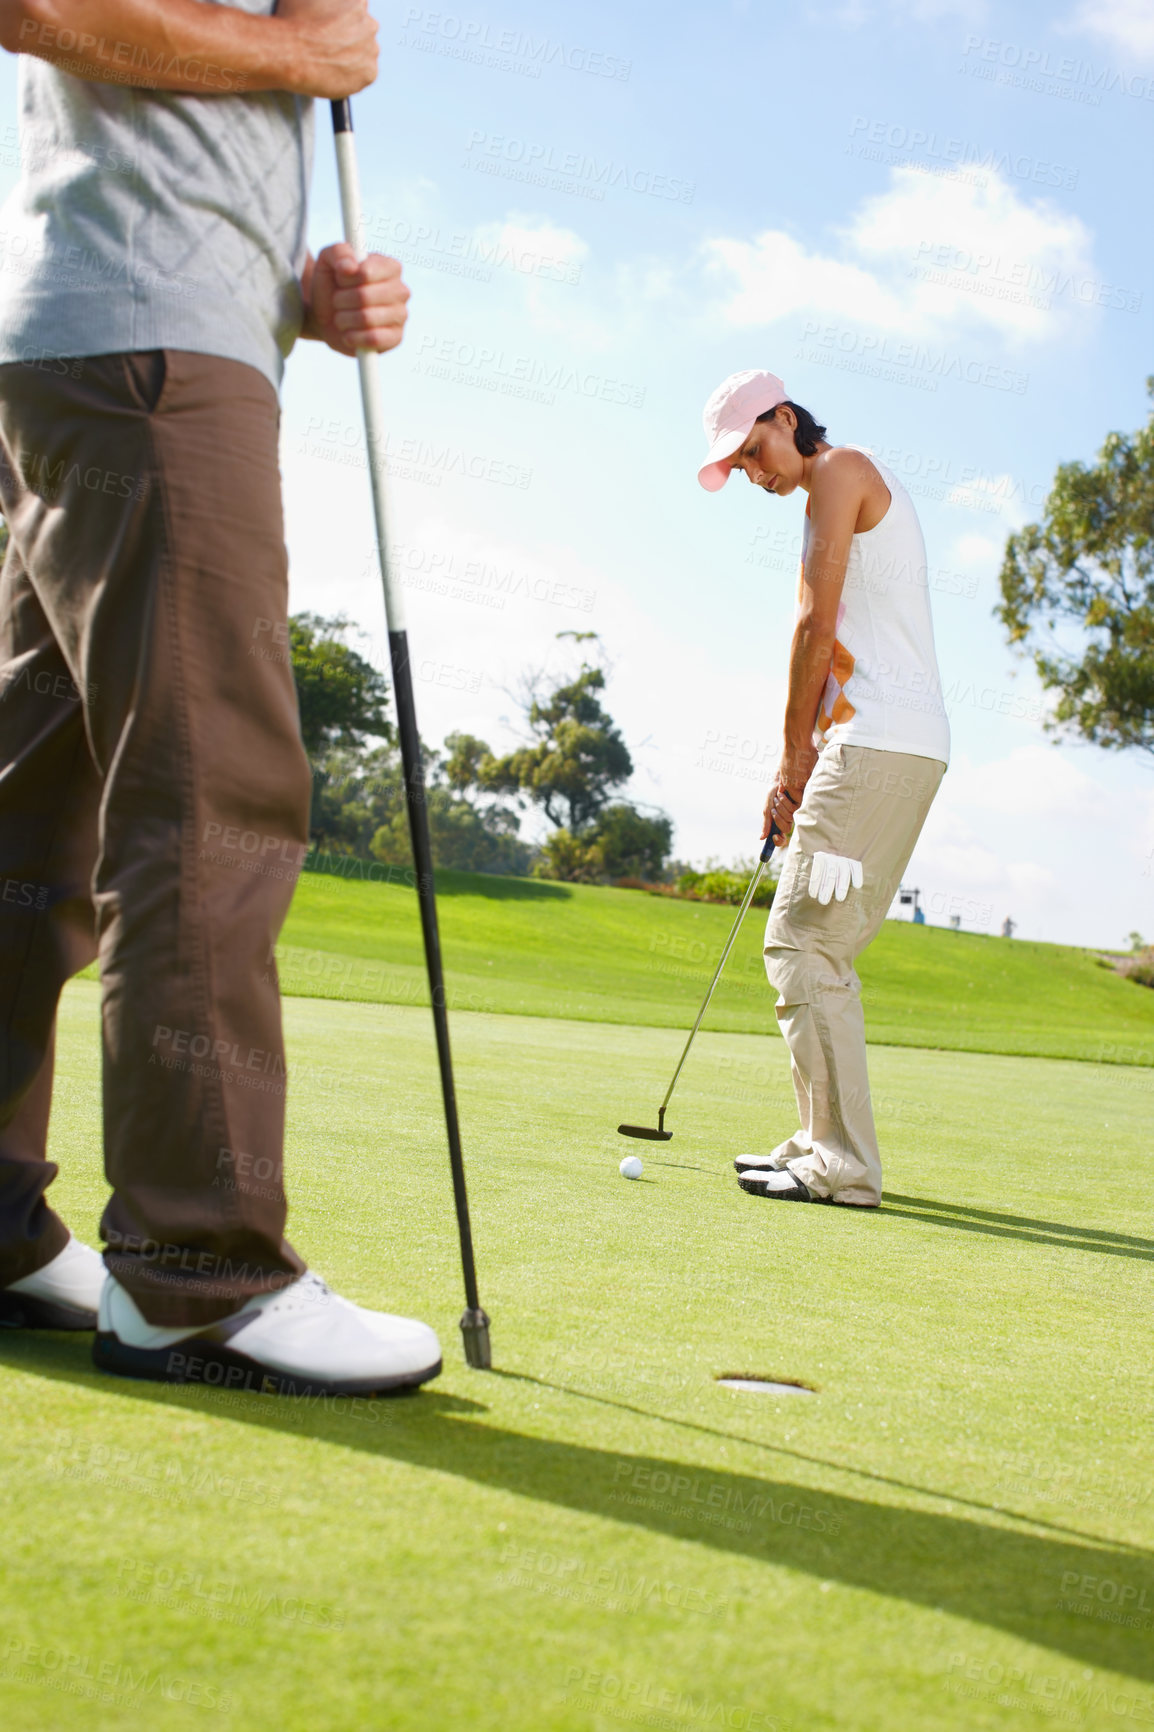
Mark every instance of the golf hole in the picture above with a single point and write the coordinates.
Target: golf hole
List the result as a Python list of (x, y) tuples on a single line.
[(751, 1385)]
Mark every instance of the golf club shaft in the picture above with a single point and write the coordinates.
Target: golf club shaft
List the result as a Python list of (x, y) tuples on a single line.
[(763, 862), (474, 1323), (746, 900)]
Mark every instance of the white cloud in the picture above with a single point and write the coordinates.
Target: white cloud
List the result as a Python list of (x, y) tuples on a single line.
[(1035, 781), (537, 250), (929, 258), (774, 276), (998, 496), (1128, 24), (979, 551)]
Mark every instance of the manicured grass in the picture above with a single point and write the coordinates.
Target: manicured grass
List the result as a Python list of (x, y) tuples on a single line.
[(575, 951), (597, 1532)]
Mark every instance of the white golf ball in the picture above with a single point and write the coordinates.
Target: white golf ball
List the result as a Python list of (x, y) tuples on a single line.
[(631, 1167)]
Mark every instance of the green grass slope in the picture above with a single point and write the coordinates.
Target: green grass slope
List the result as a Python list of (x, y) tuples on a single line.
[(621, 956), (955, 1534)]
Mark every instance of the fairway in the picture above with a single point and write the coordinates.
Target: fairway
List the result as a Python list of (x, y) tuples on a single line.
[(956, 1531), (536, 948)]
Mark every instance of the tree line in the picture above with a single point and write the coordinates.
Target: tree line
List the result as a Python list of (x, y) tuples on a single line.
[(571, 763)]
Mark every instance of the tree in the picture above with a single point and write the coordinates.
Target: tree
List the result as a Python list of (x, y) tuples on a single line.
[(621, 843), (463, 838), (576, 758), (359, 808), (632, 845), (355, 792), (1087, 570), (342, 697), (463, 766)]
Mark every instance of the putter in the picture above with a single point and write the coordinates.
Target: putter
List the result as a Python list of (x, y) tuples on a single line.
[(474, 1323), (661, 1135)]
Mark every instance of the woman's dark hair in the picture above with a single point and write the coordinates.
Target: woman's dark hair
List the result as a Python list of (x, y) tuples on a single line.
[(807, 435)]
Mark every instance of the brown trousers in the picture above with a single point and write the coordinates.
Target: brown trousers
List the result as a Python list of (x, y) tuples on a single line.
[(154, 799)]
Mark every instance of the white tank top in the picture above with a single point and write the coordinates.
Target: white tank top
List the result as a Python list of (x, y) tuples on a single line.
[(884, 689)]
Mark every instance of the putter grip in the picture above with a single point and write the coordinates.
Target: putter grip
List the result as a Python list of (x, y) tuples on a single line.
[(769, 844)]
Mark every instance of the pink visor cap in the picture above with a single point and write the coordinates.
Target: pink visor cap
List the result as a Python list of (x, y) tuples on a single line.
[(729, 416)]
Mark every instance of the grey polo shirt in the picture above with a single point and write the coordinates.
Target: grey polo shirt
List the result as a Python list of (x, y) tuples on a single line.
[(149, 220)]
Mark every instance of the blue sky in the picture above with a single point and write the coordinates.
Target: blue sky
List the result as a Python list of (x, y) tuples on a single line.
[(930, 219)]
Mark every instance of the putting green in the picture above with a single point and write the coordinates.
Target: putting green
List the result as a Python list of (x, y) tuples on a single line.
[(576, 951), (956, 1532)]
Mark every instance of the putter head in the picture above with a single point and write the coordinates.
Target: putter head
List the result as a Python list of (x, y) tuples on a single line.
[(644, 1131), (475, 1330)]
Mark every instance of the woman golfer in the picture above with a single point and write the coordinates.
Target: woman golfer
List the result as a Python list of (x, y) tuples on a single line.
[(866, 745)]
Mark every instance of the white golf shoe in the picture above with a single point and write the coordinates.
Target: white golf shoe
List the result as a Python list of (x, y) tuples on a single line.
[(756, 1164), (64, 1294), (301, 1340)]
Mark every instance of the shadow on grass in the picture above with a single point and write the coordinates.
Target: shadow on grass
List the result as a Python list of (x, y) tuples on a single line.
[(992, 1575), (999, 1225)]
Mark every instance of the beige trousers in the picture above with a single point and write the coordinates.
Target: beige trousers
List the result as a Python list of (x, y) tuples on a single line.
[(871, 806)]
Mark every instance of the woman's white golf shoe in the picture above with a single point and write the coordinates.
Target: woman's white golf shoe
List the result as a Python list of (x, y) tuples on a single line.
[(301, 1340)]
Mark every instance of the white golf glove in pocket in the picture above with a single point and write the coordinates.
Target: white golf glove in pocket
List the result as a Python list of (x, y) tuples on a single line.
[(831, 875)]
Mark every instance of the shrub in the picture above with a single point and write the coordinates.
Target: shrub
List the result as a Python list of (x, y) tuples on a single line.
[(1141, 969)]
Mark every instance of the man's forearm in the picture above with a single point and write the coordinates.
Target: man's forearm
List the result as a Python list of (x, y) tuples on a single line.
[(182, 45)]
